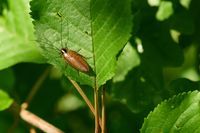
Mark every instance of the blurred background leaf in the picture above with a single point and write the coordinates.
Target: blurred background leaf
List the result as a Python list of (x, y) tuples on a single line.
[(17, 39), (5, 100), (124, 63)]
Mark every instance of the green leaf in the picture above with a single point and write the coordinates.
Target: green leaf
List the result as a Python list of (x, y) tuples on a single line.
[(127, 60), (178, 114), (17, 39), (165, 10), (97, 30), (5, 100)]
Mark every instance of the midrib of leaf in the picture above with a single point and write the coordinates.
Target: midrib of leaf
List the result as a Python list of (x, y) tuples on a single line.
[(105, 41)]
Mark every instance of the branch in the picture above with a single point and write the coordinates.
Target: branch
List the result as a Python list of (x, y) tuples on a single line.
[(38, 122), (80, 91), (34, 120), (78, 88)]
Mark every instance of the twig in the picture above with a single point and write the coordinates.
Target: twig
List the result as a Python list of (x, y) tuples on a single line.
[(103, 108), (78, 88), (30, 97), (35, 88), (80, 91), (34, 120), (38, 122)]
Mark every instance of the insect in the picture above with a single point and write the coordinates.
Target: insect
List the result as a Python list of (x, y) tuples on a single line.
[(73, 58)]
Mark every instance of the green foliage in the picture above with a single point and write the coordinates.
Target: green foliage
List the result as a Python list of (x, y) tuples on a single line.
[(99, 27), (17, 39), (5, 100), (141, 51), (178, 114)]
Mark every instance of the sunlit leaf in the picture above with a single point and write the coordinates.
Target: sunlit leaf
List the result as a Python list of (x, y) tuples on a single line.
[(16, 35)]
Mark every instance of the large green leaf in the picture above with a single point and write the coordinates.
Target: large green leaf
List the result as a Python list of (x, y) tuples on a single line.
[(96, 29), (179, 114), (16, 35), (5, 100)]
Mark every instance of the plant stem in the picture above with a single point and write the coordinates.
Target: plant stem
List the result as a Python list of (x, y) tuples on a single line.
[(96, 106), (103, 110), (78, 88), (85, 98)]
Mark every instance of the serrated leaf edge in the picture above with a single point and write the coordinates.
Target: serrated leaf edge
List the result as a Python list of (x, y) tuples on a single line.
[(164, 102)]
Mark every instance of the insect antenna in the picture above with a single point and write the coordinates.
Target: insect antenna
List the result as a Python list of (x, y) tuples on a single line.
[(64, 45), (50, 45), (61, 23)]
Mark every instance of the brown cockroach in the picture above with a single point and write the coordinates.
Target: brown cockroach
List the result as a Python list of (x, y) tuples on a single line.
[(73, 58)]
